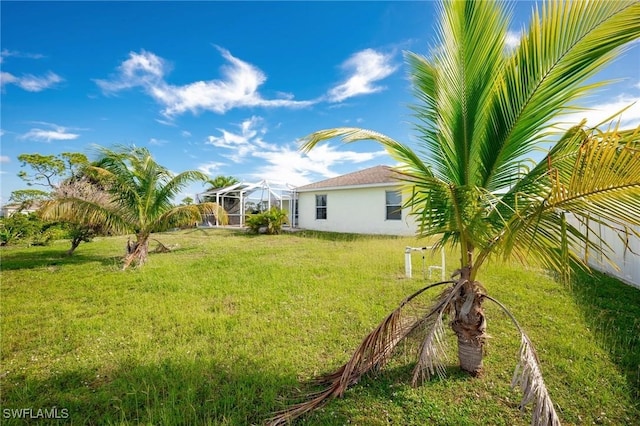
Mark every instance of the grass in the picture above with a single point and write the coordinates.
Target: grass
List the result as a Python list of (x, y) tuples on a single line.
[(223, 330)]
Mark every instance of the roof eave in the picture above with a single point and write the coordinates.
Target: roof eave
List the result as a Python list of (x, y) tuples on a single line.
[(342, 187)]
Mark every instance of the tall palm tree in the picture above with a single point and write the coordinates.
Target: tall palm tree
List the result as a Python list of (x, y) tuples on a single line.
[(141, 199), (481, 110)]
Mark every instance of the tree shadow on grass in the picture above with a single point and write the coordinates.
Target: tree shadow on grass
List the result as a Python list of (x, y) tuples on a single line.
[(35, 258), (612, 311), (167, 393)]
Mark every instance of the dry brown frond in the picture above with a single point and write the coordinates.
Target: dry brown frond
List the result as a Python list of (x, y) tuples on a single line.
[(161, 248), (529, 377)]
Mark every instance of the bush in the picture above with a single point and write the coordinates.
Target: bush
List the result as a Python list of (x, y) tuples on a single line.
[(21, 228), (269, 222)]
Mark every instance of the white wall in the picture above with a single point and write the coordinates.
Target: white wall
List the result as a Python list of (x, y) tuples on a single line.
[(354, 210), (625, 258)]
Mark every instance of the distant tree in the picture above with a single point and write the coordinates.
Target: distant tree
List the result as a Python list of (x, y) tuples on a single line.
[(141, 199), (27, 198), (229, 204), (46, 169), (50, 170), (186, 201), (221, 182), (63, 176)]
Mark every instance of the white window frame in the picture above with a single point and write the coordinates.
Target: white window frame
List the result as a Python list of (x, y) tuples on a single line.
[(320, 207), (391, 214)]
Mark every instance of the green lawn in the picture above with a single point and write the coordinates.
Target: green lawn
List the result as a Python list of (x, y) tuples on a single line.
[(223, 330)]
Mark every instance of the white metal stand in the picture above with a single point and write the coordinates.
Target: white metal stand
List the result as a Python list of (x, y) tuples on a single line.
[(431, 268)]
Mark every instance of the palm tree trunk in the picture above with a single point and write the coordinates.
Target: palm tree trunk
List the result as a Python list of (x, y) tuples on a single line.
[(137, 252), (469, 324)]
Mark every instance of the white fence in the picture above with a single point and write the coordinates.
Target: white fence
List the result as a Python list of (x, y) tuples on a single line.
[(625, 252)]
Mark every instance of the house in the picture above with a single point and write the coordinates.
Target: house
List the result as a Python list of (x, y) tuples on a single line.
[(364, 202), (9, 209)]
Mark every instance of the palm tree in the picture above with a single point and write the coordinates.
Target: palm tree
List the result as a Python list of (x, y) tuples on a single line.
[(481, 110), (141, 199), (221, 181)]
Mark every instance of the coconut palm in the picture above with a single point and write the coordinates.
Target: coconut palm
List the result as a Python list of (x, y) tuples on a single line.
[(481, 111), (141, 199)]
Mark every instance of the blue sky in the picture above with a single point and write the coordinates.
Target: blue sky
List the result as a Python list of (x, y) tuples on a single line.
[(225, 87)]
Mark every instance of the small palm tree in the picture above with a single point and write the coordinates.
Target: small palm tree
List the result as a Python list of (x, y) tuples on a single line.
[(141, 199), (481, 110)]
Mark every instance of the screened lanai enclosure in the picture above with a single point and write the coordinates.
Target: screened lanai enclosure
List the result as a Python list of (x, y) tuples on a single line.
[(242, 199)]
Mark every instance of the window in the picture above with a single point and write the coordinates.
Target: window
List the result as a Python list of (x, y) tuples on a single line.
[(394, 205), (321, 206)]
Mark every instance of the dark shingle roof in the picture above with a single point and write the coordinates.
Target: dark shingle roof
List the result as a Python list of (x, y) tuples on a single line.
[(371, 176)]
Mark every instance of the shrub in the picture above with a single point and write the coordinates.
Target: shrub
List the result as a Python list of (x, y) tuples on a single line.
[(269, 222), (21, 228)]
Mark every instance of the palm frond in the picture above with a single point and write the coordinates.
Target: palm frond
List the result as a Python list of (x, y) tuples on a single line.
[(372, 354), (454, 86), (215, 209), (143, 191), (184, 215), (593, 178), (78, 210), (397, 150), (433, 350), (170, 189), (548, 72), (528, 376)]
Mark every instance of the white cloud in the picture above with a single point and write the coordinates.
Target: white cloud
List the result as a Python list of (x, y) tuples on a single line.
[(282, 163), (512, 40), (141, 69), (599, 113), (166, 122), (29, 82), (5, 53), (4, 159), (366, 68), (55, 133), (237, 88), (210, 168), (186, 134), (240, 144), (637, 85), (289, 165), (157, 142), (7, 78)]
